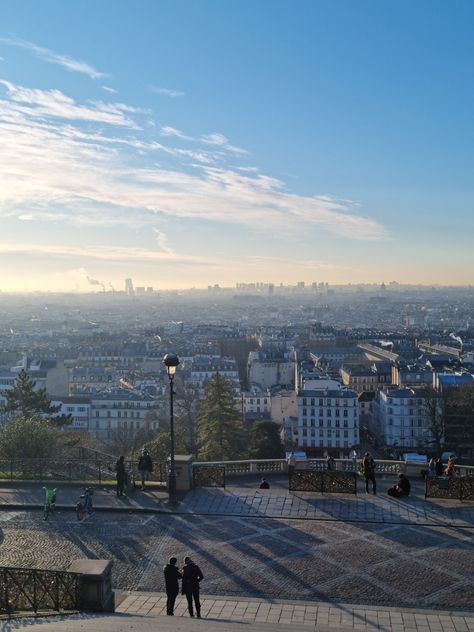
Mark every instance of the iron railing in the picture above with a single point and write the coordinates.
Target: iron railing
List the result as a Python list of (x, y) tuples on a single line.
[(275, 466), (70, 470), (456, 487), (322, 481), (24, 590), (208, 476)]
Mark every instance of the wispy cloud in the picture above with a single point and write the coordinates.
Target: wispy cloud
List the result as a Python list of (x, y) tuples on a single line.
[(70, 64), (102, 253), (109, 89), (54, 103), (167, 130), (215, 140), (167, 92), (52, 168)]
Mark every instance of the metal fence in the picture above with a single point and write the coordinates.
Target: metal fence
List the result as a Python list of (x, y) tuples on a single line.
[(208, 476), (323, 482), (71, 470), (24, 590), (454, 488)]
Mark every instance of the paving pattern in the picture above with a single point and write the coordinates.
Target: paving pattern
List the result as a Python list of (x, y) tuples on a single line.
[(399, 564)]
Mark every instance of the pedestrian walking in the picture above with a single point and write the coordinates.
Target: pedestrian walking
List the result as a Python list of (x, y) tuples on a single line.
[(121, 475), (192, 576), (368, 465), (145, 466), (172, 575)]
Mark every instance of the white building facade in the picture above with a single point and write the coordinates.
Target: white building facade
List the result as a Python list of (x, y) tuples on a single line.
[(328, 419), (401, 418)]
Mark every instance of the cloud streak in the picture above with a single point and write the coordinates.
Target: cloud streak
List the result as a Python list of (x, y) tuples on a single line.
[(70, 64), (168, 92), (57, 162)]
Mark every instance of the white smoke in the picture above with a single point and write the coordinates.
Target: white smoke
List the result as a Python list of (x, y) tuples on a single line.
[(457, 338)]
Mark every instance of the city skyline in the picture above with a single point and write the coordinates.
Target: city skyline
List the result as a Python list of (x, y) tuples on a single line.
[(194, 144)]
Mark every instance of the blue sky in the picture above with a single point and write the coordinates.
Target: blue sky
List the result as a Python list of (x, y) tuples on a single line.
[(189, 143)]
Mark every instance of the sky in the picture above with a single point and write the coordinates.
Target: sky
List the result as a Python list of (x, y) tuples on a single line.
[(185, 143)]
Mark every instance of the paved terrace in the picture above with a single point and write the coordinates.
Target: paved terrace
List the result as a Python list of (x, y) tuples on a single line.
[(347, 562), (241, 497), (144, 612)]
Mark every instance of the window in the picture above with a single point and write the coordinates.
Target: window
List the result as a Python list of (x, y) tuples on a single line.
[(97, 413), (345, 413)]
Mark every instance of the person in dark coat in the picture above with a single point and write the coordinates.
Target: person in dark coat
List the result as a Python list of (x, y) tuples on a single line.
[(192, 576), (368, 465), (264, 484), (121, 475), (145, 466), (402, 488), (439, 467), (172, 575)]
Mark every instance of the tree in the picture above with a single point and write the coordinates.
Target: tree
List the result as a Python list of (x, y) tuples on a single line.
[(25, 400), (460, 419), (28, 437), (435, 410), (265, 441), (127, 441), (221, 434), (159, 446)]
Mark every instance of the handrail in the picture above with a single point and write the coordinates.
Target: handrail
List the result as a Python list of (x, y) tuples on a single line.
[(38, 590)]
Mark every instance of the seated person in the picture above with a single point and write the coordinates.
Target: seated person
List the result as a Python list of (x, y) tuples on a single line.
[(264, 484), (402, 488)]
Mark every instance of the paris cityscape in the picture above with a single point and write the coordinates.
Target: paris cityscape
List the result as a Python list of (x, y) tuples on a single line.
[(236, 316)]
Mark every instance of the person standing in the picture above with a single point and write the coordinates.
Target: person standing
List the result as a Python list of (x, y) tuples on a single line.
[(192, 576), (121, 475), (368, 465), (145, 466), (172, 575), (439, 467)]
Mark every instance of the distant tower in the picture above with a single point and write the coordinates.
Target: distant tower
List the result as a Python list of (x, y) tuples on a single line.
[(129, 287)]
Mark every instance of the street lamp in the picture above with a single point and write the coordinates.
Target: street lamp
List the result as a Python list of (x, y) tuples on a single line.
[(171, 362)]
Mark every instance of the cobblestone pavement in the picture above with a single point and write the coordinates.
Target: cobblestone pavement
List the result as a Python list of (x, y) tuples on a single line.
[(400, 564)]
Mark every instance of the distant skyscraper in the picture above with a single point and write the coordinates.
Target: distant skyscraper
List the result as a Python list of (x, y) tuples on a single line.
[(129, 287)]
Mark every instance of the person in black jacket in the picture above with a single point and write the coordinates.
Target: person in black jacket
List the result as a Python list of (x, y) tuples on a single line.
[(172, 575), (190, 586), (121, 475), (368, 465), (402, 488), (145, 466)]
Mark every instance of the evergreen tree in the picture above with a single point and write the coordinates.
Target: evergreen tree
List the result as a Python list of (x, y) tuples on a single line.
[(25, 400), (28, 437), (265, 442), (159, 446), (220, 430)]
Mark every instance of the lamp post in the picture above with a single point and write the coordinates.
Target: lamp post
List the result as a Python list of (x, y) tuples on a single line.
[(171, 362)]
